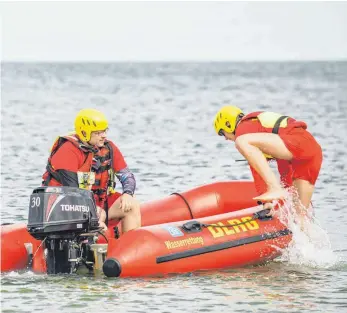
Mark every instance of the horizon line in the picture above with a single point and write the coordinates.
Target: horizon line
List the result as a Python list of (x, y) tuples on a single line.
[(179, 61)]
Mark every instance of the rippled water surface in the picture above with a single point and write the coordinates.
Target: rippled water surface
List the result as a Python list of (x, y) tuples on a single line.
[(161, 118)]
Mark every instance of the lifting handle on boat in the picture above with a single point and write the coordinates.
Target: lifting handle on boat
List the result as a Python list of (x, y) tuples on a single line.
[(192, 227), (262, 215), (116, 232)]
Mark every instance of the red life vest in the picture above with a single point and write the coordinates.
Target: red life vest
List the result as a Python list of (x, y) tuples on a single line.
[(96, 173), (274, 121)]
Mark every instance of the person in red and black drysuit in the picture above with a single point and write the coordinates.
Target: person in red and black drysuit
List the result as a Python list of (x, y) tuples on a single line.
[(88, 160)]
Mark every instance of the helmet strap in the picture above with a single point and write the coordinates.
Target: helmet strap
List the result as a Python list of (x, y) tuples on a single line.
[(238, 120)]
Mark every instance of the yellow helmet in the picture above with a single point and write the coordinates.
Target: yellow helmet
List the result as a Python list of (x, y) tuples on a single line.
[(88, 121), (226, 119)]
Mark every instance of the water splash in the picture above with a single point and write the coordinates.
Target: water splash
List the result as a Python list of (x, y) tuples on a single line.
[(310, 245)]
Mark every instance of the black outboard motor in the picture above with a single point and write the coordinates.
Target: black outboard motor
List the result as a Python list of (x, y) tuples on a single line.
[(65, 219)]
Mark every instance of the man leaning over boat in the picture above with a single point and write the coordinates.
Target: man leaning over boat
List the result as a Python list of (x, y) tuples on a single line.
[(262, 136)]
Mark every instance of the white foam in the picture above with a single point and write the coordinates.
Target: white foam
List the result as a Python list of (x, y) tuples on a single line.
[(310, 245), (20, 274)]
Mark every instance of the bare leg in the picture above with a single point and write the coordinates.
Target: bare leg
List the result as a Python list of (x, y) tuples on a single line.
[(252, 147), (305, 190), (130, 220)]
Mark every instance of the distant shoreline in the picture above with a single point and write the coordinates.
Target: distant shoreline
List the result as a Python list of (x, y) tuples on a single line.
[(167, 62)]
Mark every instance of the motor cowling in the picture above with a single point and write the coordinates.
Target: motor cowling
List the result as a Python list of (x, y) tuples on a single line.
[(61, 212)]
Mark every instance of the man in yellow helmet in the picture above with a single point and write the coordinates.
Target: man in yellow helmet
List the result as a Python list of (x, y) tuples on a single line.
[(260, 136), (86, 159)]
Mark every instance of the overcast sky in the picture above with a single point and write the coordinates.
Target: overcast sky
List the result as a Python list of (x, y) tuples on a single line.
[(173, 31)]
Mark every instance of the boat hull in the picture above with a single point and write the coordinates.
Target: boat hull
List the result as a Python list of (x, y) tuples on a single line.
[(235, 239), (20, 250)]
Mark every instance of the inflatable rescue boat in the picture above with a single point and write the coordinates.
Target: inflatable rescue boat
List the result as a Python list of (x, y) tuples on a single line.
[(209, 227)]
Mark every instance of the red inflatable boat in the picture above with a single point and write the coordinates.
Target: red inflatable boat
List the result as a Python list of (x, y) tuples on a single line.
[(209, 227)]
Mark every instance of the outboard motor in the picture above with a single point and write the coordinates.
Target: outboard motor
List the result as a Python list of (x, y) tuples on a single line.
[(65, 219)]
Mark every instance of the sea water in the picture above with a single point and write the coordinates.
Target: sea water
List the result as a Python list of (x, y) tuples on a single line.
[(161, 117)]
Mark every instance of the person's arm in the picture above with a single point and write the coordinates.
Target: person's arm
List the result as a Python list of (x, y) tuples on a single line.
[(122, 172), (102, 218), (127, 179), (247, 127), (67, 178), (65, 162)]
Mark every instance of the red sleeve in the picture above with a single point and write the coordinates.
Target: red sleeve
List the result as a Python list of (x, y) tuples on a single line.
[(118, 159), (259, 183), (68, 157), (249, 126)]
